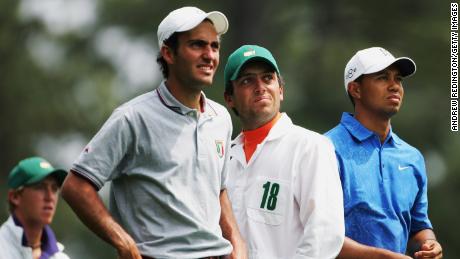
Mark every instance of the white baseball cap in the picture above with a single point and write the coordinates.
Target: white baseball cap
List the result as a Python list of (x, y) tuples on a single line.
[(187, 18), (371, 60)]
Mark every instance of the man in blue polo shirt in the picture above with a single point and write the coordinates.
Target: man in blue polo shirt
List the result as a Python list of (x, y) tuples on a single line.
[(383, 178)]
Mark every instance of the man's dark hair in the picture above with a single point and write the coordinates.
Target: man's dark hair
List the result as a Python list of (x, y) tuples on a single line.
[(173, 43)]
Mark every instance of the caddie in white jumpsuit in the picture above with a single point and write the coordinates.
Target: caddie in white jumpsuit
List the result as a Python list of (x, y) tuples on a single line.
[(283, 179)]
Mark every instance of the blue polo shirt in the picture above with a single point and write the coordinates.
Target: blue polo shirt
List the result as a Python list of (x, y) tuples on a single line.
[(384, 186)]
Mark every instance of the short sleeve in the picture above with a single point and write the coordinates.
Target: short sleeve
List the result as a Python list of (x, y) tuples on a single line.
[(419, 212), (99, 160)]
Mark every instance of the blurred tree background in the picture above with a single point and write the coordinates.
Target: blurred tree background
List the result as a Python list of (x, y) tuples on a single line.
[(66, 64)]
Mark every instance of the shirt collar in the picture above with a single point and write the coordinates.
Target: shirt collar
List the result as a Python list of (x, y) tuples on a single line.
[(261, 132), (48, 240), (393, 138), (168, 100), (362, 133), (280, 128), (49, 243)]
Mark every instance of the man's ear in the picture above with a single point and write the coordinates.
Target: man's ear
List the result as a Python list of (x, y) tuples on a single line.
[(168, 54), (13, 197), (354, 89)]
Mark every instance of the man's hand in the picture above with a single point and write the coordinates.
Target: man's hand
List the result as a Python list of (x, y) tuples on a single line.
[(239, 251), (129, 251), (230, 229), (429, 249), (83, 198)]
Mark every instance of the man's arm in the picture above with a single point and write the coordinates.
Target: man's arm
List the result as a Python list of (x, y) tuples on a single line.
[(422, 242), (86, 203), (425, 244), (354, 250), (230, 229), (318, 192)]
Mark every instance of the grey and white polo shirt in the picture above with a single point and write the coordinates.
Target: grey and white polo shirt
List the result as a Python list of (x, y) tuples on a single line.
[(167, 166)]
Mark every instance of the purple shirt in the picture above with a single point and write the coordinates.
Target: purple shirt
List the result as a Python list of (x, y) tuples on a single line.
[(48, 241)]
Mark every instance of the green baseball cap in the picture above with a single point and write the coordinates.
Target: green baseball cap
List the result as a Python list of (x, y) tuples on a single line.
[(244, 54), (32, 170)]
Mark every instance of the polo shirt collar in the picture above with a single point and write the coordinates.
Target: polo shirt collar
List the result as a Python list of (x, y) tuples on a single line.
[(361, 133), (49, 243), (168, 100), (280, 128), (355, 127), (393, 138)]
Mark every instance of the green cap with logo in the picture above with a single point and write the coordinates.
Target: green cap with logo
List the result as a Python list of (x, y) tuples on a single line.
[(244, 54), (33, 170)]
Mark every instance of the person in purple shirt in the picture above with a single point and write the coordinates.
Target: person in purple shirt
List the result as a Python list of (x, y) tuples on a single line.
[(383, 178), (32, 196)]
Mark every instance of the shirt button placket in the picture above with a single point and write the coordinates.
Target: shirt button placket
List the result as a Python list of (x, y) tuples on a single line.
[(384, 172)]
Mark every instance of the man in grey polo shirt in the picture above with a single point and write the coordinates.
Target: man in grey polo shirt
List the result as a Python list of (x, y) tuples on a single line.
[(165, 153)]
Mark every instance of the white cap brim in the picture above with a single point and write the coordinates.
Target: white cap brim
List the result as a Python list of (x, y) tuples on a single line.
[(405, 65), (218, 19), (189, 21)]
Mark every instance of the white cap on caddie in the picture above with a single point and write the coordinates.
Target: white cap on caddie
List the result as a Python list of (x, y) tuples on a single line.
[(371, 60), (187, 18)]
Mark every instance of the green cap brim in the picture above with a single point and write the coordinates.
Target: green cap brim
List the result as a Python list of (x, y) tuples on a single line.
[(59, 174), (32, 170), (238, 69)]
